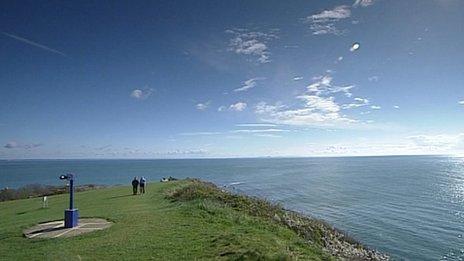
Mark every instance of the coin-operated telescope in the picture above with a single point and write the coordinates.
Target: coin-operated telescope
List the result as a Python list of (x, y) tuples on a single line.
[(71, 215)]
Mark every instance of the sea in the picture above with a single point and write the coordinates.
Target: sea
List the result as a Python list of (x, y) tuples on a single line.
[(411, 207)]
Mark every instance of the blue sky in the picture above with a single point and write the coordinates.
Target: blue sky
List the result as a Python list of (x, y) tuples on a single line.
[(177, 79)]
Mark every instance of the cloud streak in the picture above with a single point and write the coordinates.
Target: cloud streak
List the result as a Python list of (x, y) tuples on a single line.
[(323, 85), (248, 84), (440, 141), (239, 106), (203, 106), (252, 43), (363, 3), (325, 21), (255, 125), (140, 94), (27, 41), (317, 107), (259, 131), (201, 133)]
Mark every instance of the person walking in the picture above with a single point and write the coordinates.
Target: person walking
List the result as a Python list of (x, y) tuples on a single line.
[(142, 185), (135, 185)]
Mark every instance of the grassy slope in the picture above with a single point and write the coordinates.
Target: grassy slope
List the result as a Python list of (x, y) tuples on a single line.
[(149, 226)]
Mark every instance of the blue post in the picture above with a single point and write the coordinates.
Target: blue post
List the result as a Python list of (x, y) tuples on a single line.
[(71, 215), (71, 193)]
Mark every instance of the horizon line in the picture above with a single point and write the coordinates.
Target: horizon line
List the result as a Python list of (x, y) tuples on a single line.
[(242, 157)]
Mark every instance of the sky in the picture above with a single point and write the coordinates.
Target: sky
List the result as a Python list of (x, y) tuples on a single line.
[(194, 79)]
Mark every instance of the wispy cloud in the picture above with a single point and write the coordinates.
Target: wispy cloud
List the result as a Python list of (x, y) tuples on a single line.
[(376, 107), (297, 78), (248, 84), (325, 21), (200, 133), (461, 102), (239, 106), (373, 78), (363, 3), (182, 152), (317, 111), (396, 106), (255, 125), (267, 135), (259, 130), (16, 145), (358, 102), (323, 85), (317, 107), (440, 141), (27, 41), (252, 43), (203, 106), (140, 94)]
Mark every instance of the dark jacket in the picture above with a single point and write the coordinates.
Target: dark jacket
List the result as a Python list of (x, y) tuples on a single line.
[(135, 183)]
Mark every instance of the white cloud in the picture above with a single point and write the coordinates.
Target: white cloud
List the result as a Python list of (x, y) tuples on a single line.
[(141, 94), (239, 106), (255, 125), (297, 78), (248, 84), (200, 133), (363, 3), (317, 103), (318, 107), (324, 22), (251, 43), (461, 102), (361, 100), (316, 112), (259, 130), (376, 107), (222, 108), (396, 106), (183, 152), (267, 135), (323, 85), (339, 12), (203, 106), (358, 102), (373, 78), (319, 29), (440, 141)]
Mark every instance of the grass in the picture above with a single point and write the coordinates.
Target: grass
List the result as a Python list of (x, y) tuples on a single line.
[(181, 220), (38, 190)]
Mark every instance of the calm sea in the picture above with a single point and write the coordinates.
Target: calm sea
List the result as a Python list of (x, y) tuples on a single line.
[(409, 206)]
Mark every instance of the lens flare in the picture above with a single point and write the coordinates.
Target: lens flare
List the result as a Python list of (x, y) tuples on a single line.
[(355, 47)]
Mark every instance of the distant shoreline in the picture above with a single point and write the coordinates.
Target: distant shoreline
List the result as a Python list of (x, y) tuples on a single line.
[(222, 158)]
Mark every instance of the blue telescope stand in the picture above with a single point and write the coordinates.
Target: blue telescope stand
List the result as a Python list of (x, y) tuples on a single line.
[(71, 215)]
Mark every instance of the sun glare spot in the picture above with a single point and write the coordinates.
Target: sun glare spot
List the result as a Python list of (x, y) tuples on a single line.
[(355, 47)]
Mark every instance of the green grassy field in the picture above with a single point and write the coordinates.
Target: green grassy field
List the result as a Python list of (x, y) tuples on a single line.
[(151, 226)]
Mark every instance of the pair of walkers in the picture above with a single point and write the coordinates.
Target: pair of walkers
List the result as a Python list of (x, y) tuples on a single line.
[(136, 184)]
